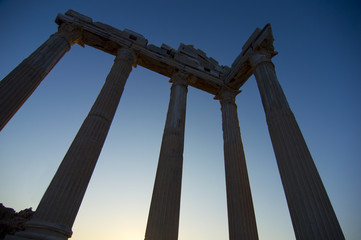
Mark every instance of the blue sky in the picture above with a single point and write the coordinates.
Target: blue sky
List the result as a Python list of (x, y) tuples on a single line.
[(318, 66)]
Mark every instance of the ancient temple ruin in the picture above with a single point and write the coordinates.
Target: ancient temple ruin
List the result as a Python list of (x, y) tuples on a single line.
[(311, 212)]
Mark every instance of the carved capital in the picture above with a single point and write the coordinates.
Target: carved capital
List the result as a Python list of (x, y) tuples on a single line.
[(265, 44), (259, 57), (263, 51), (180, 78), (126, 54), (227, 95), (73, 34)]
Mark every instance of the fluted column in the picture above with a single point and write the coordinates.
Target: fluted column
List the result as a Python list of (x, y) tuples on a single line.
[(163, 219), (58, 208), (241, 217), (310, 208), (19, 84)]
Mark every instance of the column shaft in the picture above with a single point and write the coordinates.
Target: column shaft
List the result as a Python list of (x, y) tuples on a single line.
[(310, 208), (163, 219), (58, 208), (19, 84), (241, 217)]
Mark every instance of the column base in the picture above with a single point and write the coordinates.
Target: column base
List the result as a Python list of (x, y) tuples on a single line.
[(27, 235), (37, 230), (13, 237)]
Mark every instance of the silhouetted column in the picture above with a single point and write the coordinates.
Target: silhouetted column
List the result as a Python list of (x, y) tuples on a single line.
[(163, 219), (310, 208), (19, 84), (241, 217), (59, 206)]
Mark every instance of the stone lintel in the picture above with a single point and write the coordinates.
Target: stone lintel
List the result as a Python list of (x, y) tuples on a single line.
[(166, 61), (108, 39), (167, 66)]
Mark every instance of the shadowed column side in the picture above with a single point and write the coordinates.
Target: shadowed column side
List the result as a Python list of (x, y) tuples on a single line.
[(163, 219), (310, 208), (59, 206), (20, 83), (241, 217)]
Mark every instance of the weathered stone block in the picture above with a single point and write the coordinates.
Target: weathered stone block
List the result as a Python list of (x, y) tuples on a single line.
[(214, 61), (166, 47), (214, 73), (251, 38), (134, 37), (171, 51), (202, 54), (156, 49), (109, 28), (79, 16), (206, 64), (192, 62), (188, 50)]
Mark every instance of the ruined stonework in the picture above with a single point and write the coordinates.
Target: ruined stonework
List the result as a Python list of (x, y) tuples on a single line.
[(310, 208), (12, 221)]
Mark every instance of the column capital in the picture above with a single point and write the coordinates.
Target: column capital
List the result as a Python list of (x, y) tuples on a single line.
[(260, 57), (180, 78), (263, 51), (227, 94), (126, 54), (73, 34)]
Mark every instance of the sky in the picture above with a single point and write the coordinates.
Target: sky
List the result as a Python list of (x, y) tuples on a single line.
[(318, 67)]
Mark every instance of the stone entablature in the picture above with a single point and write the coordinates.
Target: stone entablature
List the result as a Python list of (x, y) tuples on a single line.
[(206, 73)]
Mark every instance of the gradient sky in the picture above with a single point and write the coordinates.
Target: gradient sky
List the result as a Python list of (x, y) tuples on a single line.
[(318, 66)]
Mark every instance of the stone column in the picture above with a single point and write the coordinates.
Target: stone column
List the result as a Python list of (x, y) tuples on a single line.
[(163, 219), (19, 84), (58, 208), (241, 217), (310, 208)]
